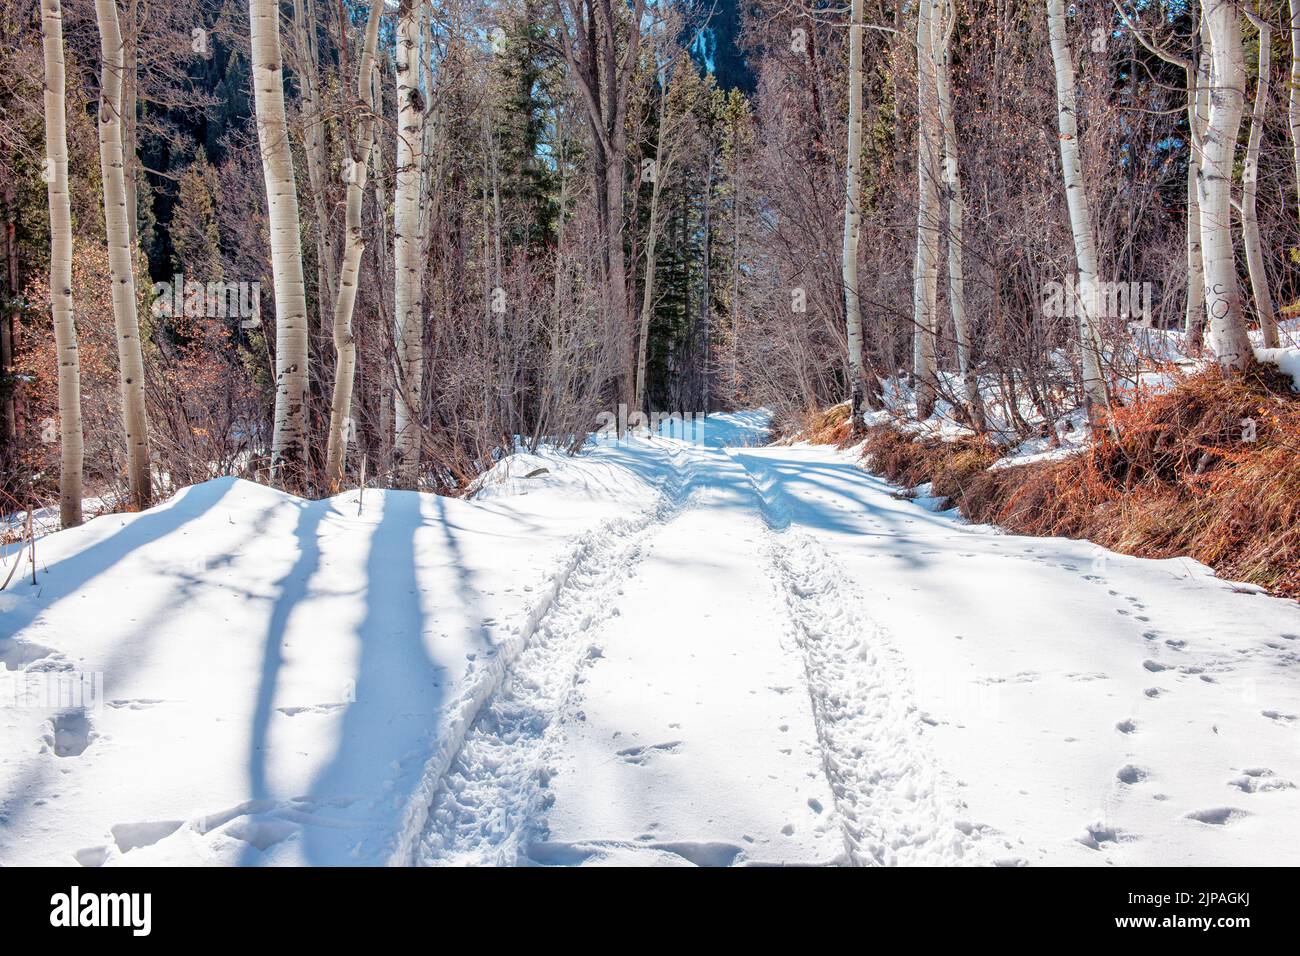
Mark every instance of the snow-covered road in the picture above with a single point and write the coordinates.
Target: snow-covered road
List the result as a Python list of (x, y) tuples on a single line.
[(659, 652)]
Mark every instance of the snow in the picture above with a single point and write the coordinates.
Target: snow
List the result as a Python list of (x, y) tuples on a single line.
[(662, 651)]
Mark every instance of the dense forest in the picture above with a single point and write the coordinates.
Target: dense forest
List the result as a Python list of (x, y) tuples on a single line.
[(307, 243)]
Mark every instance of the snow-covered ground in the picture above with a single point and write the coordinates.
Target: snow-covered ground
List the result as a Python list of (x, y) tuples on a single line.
[(658, 652)]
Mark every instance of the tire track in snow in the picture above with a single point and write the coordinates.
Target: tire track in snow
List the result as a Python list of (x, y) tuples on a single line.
[(482, 798), (894, 803)]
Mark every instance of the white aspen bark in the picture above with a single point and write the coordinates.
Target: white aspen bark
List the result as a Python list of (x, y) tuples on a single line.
[(1293, 98), (354, 244), (130, 90), (65, 328), (943, 28), (386, 367), (853, 219), (1250, 188), (289, 439), (1198, 105), (925, 275), (121, 255), (1227, 326), (406, 248), (1076, 198)]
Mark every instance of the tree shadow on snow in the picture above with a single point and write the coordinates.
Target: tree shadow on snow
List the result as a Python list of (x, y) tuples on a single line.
[(291, 589), (397, 701), (68, 575)]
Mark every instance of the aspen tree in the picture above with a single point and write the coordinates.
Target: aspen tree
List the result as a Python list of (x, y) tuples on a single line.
[(952, 183), (355, 171), (1250, 187), (289, 438), (1227, 327), (853, 217), (65, 328), (1076, 198), (925, 274), (121, 254), (406, 248)]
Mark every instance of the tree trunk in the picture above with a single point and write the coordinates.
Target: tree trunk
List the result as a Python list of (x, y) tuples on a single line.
[(1293, 99), (736, 183), (952, 180), (1076, 198), (616, 281), (925, 276), (345, 349), (121, 254), (65, 329), (8, 339), (1198, 104), (706, 297), (1228, 338), (308, 68), (289, 440), (853, 220), (130, 89), (406, 248), (1250, 187), (601, 64), (652, 237)]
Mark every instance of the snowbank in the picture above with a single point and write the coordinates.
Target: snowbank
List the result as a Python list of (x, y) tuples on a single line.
[(1287, 359), (264, 680)]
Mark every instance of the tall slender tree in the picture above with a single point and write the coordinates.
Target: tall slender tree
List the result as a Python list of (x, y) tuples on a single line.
[(601, 40), (65, 328), (1250, 190), (1293, 96), (406, 248), (1076, 199), (1221, 27), (943, 31), (853, 218), (925, 274), (289, 438), (121, 254), (355, 173)]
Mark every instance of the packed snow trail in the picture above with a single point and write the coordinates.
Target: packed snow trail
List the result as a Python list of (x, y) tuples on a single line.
[(706, 694), (660, 717), (662, 651), (1094, 708)]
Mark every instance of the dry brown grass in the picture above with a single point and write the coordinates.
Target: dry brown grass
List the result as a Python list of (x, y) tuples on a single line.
[(1182, 478), (831, 427)]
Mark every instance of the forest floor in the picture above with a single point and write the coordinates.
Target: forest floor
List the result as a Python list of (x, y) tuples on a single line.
[(663, 651)]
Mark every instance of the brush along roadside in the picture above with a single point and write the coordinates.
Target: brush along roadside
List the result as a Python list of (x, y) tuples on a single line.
[(1208, 469)]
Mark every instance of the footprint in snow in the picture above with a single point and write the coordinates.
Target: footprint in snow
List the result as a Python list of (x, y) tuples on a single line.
[(1259, 780), (1216, 816), (1130, 774), (140, 703), (1096, 834), (1126, 726), (639, 755), (67, 734)]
